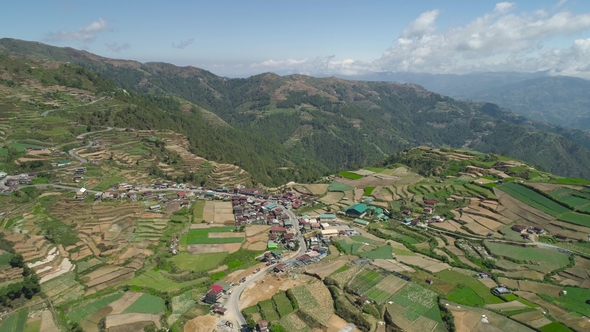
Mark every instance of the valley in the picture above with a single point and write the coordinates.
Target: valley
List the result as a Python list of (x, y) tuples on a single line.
[(296, 210)]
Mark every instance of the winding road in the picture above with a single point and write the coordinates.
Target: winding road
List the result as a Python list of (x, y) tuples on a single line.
[(72, 152), (44, 114)]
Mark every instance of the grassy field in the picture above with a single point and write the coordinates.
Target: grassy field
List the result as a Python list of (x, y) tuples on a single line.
[(147, 304), (201, 236), (469, 290), (155, 280), (337, 186), (369, 191), (108, 183), (268, 311), (198, 262), (33, 326), (555, 327), (528, 254), (383, 252), (84, 310), (5, 260), (15, 322), (574, 300), (466, 296), (282, 304), (199, 206), (350, 175), (375, 169)]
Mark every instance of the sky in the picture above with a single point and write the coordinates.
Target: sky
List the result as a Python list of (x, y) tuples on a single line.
[(321, 38)]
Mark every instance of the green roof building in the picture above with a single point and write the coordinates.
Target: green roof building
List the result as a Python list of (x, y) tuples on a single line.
[(272, 245), (357, 210), (327, 216), (361, 222)]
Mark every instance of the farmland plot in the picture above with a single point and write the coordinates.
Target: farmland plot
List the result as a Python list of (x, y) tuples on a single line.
[(315, 300), (551, 259), (86, 309), (180, 304), (414, 309)]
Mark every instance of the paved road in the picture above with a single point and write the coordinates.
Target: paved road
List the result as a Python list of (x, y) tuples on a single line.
[(72, 152), (233, 302), (44, 114)]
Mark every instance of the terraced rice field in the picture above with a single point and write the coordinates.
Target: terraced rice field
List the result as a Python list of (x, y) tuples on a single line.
[(149, 230)]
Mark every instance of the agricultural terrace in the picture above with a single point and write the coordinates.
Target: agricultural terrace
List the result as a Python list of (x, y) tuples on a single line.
[(315, 300), (156, 280), (87, 308), (551, 259), (147, 304), (198, 262), (465, 288), (337, 186), (574, 300), (376, 285), (211, 235), (538, 201), (350, 175), (414, 308)]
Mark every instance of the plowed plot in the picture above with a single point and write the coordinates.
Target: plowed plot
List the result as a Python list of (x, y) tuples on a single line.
[(123, 319), (218, 212), (223, 235), (216, 247), (332, 197), (392, 265), (468, 319), (317, 189), (255, 229), (424, 262), (201, 324), (324, 270), (121, 304)]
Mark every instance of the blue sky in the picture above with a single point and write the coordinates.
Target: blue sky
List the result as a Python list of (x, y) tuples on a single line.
[(240, 38)]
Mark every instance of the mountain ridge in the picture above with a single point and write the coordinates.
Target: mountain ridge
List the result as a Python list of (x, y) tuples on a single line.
[(330, 123)]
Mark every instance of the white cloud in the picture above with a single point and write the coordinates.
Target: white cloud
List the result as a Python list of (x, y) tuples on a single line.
[(503, 39), (184, 43), (86, 34), (502, 7), (115, 47), (423, 25), (480, 44)]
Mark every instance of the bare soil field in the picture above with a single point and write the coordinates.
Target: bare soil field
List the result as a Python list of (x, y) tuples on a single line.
[(47, 323), (317, 189), (386, 194), (469, 319), (424, 262), (332, 197), (123, 319), (121, 304), (214, 247), (268, 286), (202, 225), (515, 208), (350, 195), (139, 326), (255, 229), (49, 194), (218, 212), (205, 323), (525, 274), (370, 181), (510, 283), (325, 269), (533, 316), (488, 282), (539, 288), (335, 324), (392, 265)]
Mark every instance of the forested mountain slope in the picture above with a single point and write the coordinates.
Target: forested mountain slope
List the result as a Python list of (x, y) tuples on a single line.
[(288, 127)]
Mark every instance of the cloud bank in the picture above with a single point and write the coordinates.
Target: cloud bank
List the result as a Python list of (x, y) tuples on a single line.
[(501, 40), (86, 34)]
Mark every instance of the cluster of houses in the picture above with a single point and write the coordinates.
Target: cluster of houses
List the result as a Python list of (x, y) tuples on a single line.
[(525, 231), (13, 182)]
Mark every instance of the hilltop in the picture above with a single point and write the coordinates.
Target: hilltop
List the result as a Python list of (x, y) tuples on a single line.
[(300, 128)]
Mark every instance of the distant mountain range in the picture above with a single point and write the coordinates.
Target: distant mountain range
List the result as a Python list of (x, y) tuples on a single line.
[(281, 128), (559, 100)]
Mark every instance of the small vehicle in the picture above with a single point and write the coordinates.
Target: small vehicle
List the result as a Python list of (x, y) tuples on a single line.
[(256, 271)]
